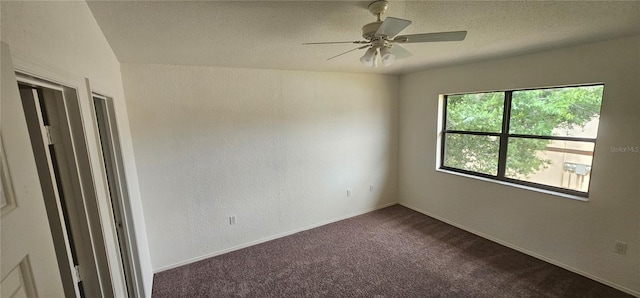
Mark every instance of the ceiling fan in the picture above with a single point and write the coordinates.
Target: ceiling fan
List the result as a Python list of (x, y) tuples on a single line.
[(381, 40)]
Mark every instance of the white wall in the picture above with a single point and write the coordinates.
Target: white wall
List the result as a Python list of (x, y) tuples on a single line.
[(579, 235), (64, 40), (277, 149)]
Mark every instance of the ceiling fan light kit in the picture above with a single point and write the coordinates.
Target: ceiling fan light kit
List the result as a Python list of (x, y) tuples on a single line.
[(381, 40), (387, 56), (370, 58)]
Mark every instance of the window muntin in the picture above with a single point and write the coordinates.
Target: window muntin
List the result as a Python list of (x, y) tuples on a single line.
[(544, 138)]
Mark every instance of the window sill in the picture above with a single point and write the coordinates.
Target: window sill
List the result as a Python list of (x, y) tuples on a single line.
[(544, 191)]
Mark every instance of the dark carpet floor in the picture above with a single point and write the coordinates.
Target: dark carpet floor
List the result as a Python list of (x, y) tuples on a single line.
[(392, 252)]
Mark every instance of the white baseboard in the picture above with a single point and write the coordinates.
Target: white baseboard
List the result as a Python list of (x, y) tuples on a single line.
[(241, 246), (522, 250)]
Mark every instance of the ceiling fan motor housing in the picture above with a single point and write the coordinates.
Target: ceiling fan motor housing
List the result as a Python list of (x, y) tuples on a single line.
[(369, 30)]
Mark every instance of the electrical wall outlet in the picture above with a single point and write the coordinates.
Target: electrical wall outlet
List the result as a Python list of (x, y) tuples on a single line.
[(348, 192), (232, 220), (621, 248), (371, 188)]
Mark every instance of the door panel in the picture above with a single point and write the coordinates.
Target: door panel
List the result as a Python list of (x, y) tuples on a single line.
[(25, 231), (19, 282)]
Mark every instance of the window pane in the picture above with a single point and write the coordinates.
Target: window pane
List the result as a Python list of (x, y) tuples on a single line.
[(565, 164), (475, 112), (573, 111), (472, 153)]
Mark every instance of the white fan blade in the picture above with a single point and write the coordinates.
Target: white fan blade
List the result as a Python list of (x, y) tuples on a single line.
[(392, 26), (432, 37), (400, 52), (358, 48), (333, 42)]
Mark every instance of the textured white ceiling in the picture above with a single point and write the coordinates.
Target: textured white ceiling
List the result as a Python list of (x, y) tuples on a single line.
[(268, 34)]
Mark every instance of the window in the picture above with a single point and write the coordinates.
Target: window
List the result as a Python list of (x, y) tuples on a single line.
[(543, 138)]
